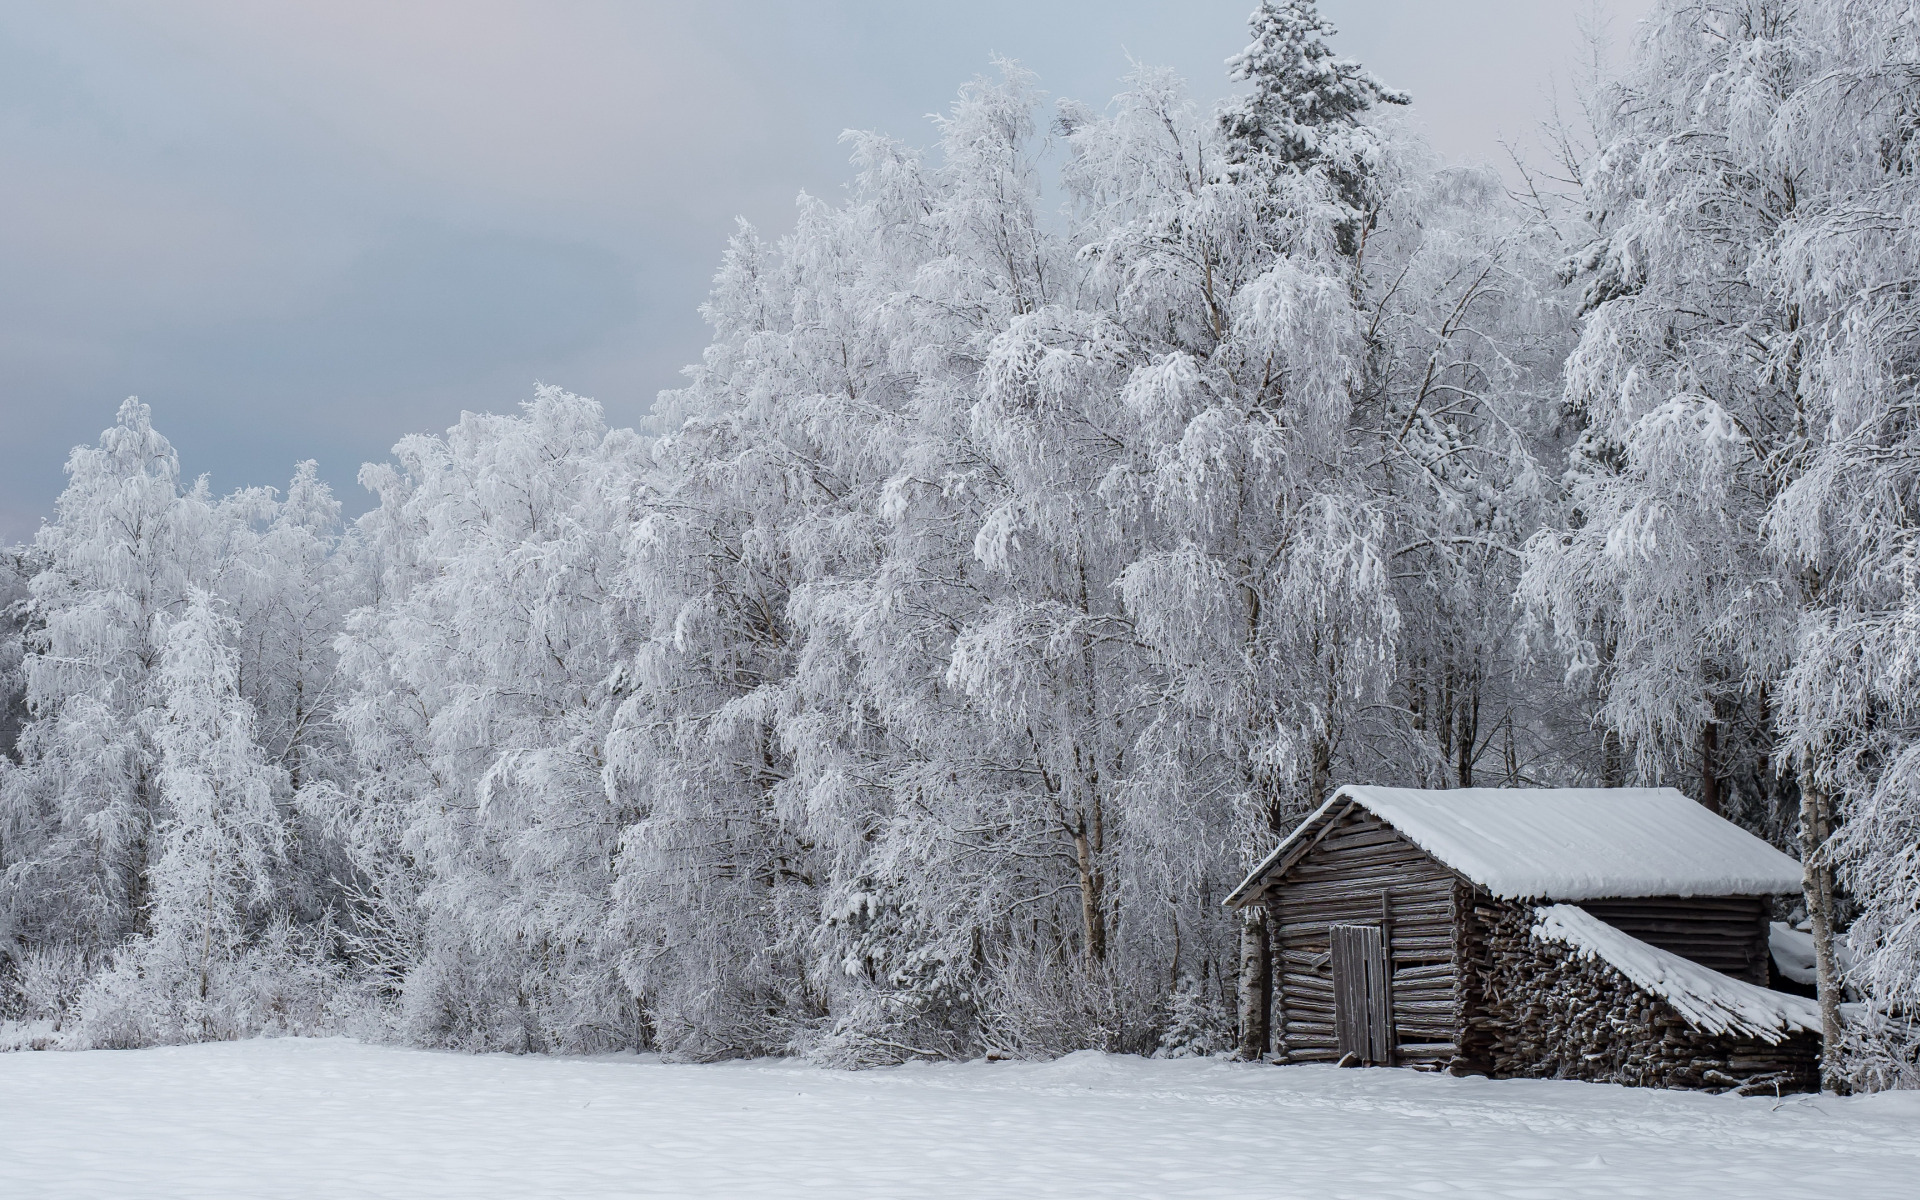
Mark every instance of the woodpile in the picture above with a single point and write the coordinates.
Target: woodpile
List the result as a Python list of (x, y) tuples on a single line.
[(1549, 1012)]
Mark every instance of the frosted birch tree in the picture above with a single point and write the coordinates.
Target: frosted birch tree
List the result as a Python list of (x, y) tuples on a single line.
[(480, 700), (1687, 381), (80, 809), (1845, 526), (219, 840), (1726, 576)]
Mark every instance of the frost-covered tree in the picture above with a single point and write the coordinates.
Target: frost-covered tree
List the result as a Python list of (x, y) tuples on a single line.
[(1845, 525), (284, 569), (87, 808), (1733, 573), (483, 833), (1195, 1024), (1687, 381), (80, 811), (718, 887), (1304, 111), (15, 571), (219, 838), (223, 833), (288, 587)]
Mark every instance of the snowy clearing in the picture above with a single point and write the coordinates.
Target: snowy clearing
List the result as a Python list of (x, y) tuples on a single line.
[(336, 1118)]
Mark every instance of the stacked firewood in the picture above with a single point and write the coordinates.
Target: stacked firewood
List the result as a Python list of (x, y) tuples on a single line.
[(1551, 1012)]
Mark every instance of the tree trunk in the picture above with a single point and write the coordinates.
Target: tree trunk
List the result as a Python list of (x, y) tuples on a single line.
[(1613, 764), (1256, 983), (1092, 884), (1709, 769), (1469, 737), (1321, 781), (1816, 826)]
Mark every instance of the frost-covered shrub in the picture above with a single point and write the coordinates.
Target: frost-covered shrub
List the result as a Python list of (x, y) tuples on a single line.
[(1034, 1010), (280, 984), (1882, 1048), (1198, 1022), (46, 982)]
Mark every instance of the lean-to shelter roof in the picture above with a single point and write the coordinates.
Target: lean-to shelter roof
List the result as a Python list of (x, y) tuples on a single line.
[(1706, 998), (1561, 843)]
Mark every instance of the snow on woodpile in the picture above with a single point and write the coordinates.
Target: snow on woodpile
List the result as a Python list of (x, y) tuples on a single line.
[(1711, 1001), (1792, 952), (1571, 843)]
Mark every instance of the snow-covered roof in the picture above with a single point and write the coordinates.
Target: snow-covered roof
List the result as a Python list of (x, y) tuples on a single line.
[(1565, 843), (1707, 999)]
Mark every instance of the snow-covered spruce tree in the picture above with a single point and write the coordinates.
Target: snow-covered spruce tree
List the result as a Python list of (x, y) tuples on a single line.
[(1197, 1025), (478, 819), (1303, 111)]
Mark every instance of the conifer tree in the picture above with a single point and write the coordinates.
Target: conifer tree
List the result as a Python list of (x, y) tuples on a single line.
[(1303, 108)]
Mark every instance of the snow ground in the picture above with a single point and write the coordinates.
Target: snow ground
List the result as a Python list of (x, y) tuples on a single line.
[(334, 1118)]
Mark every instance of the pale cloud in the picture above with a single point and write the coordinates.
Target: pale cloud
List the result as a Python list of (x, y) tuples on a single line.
[(304, 229)]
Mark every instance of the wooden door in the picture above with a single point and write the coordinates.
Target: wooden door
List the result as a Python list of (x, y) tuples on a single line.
[(1362, 993)]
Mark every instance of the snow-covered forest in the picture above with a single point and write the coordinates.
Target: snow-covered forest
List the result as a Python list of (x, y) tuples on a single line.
[(1049, 525)]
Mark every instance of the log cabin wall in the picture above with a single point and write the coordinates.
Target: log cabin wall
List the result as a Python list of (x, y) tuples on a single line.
[(1727, 933), (1357, 862)]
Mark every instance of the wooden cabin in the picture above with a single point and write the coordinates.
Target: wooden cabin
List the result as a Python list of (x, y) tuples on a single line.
[(1617, 934)]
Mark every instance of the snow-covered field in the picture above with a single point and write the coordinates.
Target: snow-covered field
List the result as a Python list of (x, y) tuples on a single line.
[(340, 1119)]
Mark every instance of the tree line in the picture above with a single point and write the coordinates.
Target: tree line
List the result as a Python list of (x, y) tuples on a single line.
[(1046, 529)]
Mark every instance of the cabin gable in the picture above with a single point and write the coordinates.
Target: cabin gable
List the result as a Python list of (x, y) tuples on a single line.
[(1361, 871)]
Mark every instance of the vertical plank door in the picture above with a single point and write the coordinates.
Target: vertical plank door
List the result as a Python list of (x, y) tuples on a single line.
[(1362, 999)]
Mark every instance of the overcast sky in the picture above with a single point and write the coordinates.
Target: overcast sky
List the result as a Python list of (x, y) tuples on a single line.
[(301, 230)]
